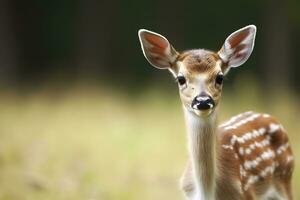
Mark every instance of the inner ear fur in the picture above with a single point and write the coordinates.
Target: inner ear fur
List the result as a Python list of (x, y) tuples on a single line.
[(237, 47), (157, 50)]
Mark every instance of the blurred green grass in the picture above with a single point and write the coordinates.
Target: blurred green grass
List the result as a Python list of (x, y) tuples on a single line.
[(91, 143)]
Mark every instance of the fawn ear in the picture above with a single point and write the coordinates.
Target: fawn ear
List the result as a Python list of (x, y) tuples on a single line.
[(238, 47), (157, 49)]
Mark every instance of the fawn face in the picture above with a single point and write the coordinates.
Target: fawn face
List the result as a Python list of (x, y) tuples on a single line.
[(199, 73), (200, 78)]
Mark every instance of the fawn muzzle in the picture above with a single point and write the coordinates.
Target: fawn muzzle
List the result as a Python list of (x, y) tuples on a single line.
[(203, 102)]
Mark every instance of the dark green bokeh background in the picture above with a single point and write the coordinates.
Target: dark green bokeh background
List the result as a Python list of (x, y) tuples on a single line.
[(69, 40)]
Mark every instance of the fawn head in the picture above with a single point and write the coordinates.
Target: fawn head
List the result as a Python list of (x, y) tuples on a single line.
[(199, 72)]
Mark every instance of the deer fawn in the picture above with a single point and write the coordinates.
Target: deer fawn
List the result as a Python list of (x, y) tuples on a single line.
[(248, 156)]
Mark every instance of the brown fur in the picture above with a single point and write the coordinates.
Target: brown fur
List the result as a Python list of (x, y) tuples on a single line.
[(228, 164), (199, 61)]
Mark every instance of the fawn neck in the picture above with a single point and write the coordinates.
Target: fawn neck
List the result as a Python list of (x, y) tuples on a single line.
[(202, 150)]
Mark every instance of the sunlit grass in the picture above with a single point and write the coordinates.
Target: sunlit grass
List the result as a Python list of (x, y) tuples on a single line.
[(94, 144)]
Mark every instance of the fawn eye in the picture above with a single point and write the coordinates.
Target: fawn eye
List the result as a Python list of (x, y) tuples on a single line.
[(181, 80), (219, 79)]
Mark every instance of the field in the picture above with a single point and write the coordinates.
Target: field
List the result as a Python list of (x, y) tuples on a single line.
[(91, 144)]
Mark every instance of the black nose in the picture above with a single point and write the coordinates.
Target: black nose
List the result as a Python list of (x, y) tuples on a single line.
[(203, 102)]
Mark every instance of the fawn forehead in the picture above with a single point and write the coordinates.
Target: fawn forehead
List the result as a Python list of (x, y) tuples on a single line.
[(199, 61)]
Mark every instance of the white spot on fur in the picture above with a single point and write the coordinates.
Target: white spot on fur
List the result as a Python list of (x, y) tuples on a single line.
[(289, 158), (282, 148), (227, 146), (241, 140), (247, 136), (235, 118), (274, 127), (236, 156), (267, 155), (242, 122), (241, 151), (248, 151), (268, 170), (233, 139), (243, 172), (251, 180), (256, 144), (250, 164)]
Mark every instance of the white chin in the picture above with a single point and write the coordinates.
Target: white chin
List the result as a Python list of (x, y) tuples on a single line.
[(203, 113)]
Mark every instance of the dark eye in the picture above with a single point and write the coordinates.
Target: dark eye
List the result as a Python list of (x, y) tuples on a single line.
[(219, 79), (181, 80)]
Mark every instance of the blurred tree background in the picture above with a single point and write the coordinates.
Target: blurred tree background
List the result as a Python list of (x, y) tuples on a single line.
[(70, 40), (84, 116)]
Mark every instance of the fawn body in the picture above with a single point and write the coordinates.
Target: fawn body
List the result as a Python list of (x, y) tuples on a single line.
[(247, 157)]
